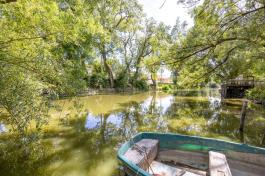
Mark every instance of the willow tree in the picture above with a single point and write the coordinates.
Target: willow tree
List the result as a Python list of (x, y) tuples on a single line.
[(160, 43), (34, 63), (135, 46), (115, 16), (227, 39)]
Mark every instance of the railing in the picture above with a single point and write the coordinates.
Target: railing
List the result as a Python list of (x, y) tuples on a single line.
[(240, 82), (244, 82), (260, 83)]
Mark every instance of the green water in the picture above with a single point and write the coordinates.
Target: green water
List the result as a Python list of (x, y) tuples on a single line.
[(84, 133)]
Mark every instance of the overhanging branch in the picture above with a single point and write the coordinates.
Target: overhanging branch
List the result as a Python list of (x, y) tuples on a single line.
[(218, 65)]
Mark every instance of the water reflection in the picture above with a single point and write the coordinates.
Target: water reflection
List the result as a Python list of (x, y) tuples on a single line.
[(213, 119), (180, 114), (90, 129), (2, 128), (215, 102), (95, 122), (204, 116)]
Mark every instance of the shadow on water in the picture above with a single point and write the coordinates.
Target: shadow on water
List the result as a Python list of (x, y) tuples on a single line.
[(84, 134)]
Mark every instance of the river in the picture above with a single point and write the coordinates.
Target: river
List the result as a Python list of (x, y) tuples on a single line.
[(84, 133)]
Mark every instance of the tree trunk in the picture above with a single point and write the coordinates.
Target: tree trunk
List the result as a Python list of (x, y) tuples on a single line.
[(154, 82), (108, 69), (135, 77), (152, 107), (103, 126), (128, 72)]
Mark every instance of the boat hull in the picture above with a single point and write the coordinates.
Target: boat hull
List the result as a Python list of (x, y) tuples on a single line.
[(174, 142)]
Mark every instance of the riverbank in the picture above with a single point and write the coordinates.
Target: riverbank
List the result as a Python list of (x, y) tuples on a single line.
[(105, 91)]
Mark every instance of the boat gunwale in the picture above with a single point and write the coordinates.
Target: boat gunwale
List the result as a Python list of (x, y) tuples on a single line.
[(144, 135)]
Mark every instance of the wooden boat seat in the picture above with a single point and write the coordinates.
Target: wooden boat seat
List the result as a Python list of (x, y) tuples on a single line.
[(162, 169), (218, 165), (143, 153)]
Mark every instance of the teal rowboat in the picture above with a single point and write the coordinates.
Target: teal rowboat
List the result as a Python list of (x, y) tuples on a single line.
[(148, 154)]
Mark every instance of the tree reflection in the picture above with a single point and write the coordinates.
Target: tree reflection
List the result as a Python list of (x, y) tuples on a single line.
[(23, 156), (83, 141)]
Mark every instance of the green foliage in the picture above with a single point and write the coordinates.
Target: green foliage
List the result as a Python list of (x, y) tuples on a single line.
[(23, 100), (141, 84), (166, 88), (257, 93), (43, 48), (98, 78), (225, 41), (22, 156), (122, 80)]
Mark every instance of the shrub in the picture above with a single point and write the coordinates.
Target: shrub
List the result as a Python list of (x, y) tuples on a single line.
[(98, 80), (166, 88), (213, 85), (122, 80), (257, 93), (141, 84)]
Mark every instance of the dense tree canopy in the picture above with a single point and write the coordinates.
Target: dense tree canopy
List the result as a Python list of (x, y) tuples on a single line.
[(55, 48), (227, 40), (43, 45), (48, 47)]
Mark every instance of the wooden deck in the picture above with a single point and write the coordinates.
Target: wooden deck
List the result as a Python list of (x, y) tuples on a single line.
[(235, 88)]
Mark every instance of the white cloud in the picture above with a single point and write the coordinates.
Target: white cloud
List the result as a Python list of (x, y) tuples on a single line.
[(168, 13)]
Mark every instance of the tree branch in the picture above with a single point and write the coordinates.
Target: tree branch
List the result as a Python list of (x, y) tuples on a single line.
[(24, 38), (205, 48), (163, 4), (241, 16), (218, 65)]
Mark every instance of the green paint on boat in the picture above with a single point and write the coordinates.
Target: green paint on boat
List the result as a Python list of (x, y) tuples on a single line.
[(170, 141), (194, 147)]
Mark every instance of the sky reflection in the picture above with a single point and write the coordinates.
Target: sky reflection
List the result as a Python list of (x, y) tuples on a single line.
[(95, 122)]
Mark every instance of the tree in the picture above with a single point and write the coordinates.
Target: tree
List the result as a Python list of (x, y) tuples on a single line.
[(114, 16), (143, 46), (42, 44), (224, 32), (128, 51), (160, 42)]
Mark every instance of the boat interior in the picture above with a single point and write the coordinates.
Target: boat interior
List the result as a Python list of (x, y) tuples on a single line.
[(147, 155)]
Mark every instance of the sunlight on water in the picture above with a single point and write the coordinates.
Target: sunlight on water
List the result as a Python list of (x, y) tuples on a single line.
[(84, 133)]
